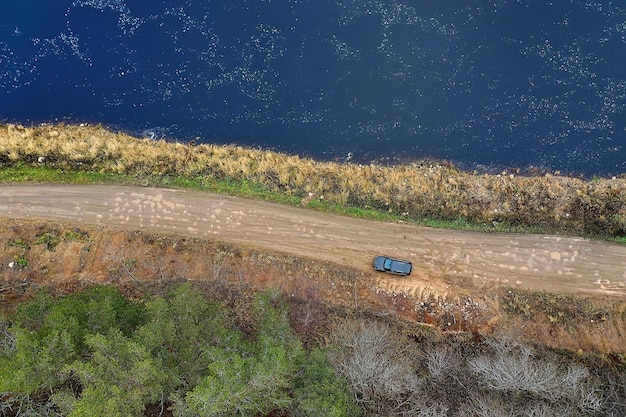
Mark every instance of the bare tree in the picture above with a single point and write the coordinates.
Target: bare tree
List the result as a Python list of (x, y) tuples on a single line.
[(27, 406), (488, 405), (307, 312), (126, 266), (616, 395), (7, 339), (514, 368), (439, 362), (379, 367)]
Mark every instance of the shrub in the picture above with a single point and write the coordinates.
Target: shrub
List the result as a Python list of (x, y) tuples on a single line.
[(21, 262), (20, 243), (50, 240), (514, 369), (378, 366)]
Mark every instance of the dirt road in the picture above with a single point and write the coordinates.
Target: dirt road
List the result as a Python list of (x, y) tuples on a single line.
[(441, 258)]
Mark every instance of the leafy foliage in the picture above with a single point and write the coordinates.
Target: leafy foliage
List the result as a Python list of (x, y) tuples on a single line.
[(178, 330), (253, 378), (96, 353), (119, 378), (49, 240), (52, 333), (94, 310), (319, 391), (37, 361)]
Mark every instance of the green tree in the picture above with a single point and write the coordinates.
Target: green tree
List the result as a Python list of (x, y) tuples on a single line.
[(319, 391), (93, 310), (255, 378), (241, 386), (36, 362), (119, 379), (30, 315), (51, 333), (97, 310), (178, 331)]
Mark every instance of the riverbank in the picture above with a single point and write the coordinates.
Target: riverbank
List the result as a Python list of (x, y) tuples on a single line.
[(431, 193)]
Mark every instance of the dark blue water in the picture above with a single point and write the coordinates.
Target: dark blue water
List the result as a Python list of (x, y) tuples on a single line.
[(482, 83)]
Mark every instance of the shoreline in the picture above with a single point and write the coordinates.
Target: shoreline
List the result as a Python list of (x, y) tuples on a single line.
[(532, 170), (424, 192)]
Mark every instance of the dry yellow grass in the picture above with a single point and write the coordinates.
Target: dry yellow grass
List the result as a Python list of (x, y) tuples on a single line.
[(554, 203)]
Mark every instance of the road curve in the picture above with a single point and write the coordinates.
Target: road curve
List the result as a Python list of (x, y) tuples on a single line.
[(440, 257)]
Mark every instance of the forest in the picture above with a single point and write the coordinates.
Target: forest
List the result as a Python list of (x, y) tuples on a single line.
[(182, 351)]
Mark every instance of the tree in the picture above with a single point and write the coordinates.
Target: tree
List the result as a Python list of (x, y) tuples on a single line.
[(93, 310), (516, 370), (51, 333), (253, 378), (319, 391), (379, 367), (36, 362), (119, 379), (179, 329)]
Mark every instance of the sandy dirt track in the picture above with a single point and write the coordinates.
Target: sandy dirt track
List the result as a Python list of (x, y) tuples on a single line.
[(442, 258)]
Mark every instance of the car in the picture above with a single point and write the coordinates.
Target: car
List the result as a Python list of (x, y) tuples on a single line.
[(392, 266)]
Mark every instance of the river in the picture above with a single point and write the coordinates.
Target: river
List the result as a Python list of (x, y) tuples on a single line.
[(485, 84)]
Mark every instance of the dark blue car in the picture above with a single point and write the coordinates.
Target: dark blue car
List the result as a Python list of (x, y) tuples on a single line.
[(392, 266)]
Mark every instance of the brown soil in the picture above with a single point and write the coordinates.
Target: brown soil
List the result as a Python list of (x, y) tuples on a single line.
[(563, 292)]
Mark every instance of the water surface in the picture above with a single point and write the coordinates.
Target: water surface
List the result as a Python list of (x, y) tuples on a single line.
[(496, 83)]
